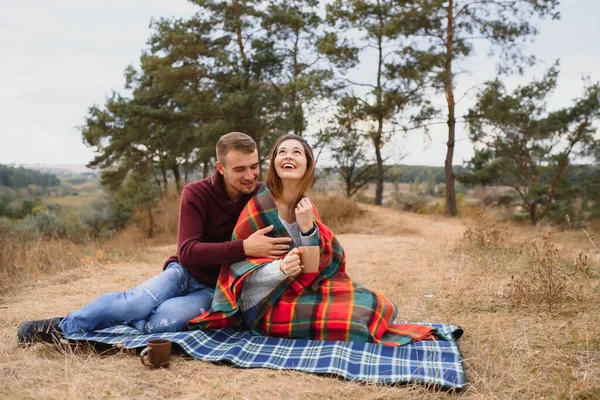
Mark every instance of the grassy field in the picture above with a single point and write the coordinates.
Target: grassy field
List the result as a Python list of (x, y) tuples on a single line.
[(69, 204), (530, 310)]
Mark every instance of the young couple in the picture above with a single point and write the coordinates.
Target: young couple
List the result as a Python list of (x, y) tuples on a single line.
[(243, 237)]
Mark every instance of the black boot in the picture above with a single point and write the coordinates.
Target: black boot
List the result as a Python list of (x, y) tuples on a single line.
[(43, 330)]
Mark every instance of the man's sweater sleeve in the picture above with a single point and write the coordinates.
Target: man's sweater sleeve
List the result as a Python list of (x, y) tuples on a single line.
[(191, 250)]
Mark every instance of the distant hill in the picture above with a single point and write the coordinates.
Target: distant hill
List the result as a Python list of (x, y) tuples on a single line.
[(58, 169), (20, 177), (410, 173)]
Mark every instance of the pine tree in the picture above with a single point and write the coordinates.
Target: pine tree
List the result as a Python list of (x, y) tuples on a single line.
[(451, 28)]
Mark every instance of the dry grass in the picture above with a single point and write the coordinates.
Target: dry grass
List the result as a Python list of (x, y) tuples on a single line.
[(511, 352), (24, 259), (337, 211), (82, 200)]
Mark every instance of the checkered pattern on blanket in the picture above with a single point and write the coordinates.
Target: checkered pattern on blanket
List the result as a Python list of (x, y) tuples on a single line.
[(437, 363), (326, 305)]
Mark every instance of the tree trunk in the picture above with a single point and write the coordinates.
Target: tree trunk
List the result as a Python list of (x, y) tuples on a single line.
[(165, 181), (348, 179), (157, 181), (150, 232), (297, 117), (562, 169), (377, 139), (449, 89), (380, 172), (177, 176), (261, 160), (186, 167), (533, 213), (205, 169), (451, 209)]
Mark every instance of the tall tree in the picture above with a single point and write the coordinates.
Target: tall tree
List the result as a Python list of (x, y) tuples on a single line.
[(296, 31), (349, 146), (123, 142), (529, 147), (452, 27), (242, 69), (185, 59), (402, 71), (199, 79)]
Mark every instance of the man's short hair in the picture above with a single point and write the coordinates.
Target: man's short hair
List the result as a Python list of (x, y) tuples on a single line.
[(234, 141)]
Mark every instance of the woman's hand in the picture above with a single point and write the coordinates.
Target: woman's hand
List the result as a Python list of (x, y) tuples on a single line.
[(304, 214), (290, 265)]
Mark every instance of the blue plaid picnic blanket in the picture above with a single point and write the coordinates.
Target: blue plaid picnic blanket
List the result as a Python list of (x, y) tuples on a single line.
[(436, 363)]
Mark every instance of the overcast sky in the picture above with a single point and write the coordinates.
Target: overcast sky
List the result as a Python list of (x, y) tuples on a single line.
[(61, 57)]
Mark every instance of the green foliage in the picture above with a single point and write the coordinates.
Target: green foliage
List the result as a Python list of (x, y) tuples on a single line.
[(6, 225), (349, 150), (78, 180), (409, 173), (18, 210), (139, 193), (104, 216), (431, 184), (414, 202), (403, 71), (501, 200), (481, 169), (529, 147), (21, 178), (293, 28), (245, 66), (450, 28), (33, 219), (45, 224)]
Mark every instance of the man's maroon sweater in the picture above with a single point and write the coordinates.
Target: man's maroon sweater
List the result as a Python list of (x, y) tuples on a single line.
[(207, 217)]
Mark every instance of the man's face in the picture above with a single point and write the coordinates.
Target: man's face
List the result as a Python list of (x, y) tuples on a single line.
[(240, 173)]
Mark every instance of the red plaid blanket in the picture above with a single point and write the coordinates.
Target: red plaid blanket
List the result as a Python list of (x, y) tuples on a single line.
[(326, 305)]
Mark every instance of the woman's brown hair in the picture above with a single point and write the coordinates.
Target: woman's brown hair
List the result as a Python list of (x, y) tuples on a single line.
[(274, 181)]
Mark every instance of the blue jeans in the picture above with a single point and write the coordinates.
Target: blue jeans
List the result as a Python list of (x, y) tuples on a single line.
[(250, 315), (163, 303)]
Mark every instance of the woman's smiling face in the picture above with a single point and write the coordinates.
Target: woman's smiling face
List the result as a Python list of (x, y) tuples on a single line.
[(290, 160)]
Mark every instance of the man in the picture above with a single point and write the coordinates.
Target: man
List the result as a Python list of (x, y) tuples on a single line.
[(208, 213)]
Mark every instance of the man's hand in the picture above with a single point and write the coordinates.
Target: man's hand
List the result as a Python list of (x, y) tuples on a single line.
[(260, 245), (290, 265), (304, 214)]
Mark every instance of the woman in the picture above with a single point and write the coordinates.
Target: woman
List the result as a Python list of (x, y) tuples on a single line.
[(275, 298)]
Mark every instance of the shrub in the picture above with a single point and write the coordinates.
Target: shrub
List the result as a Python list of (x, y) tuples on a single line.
[(104, 216), (439, 207), (45, 223), (75, 229), (6, 225), (336, 211), (410, 201), (487, 236), (567, 214), (535, 273), (363, 196), (500, 200), (140, 195), (545, 284)]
